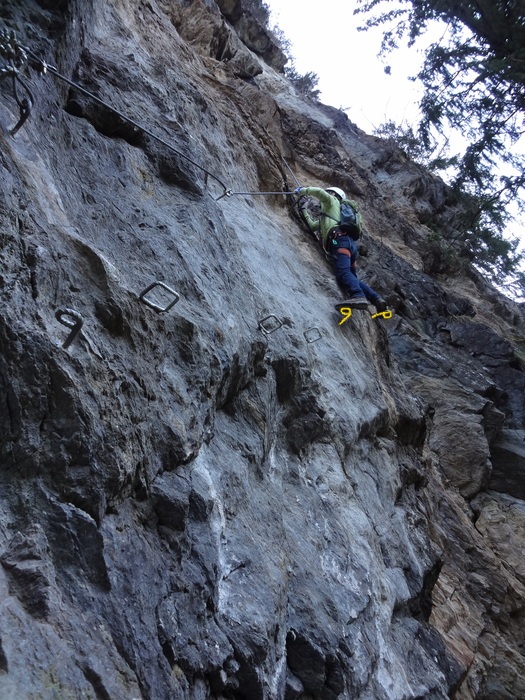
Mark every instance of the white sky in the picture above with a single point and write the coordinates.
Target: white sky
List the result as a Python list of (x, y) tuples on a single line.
[(324, 39)]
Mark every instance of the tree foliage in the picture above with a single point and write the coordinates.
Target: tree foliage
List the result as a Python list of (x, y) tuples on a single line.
[(474, 81), (306, 84), (407, 138)]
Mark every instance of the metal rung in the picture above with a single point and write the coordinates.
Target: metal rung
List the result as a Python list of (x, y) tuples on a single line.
[(156, 307), (313, 334), (266, 327), (383, 314)]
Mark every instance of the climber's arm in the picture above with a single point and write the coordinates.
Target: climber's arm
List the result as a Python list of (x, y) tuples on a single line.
[(313, 224), (318, 193)]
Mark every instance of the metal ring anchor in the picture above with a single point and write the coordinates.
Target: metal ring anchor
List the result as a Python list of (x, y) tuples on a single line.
[(75, 322), (156, 307)]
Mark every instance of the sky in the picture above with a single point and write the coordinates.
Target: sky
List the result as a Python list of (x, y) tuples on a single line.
[(324, 40)]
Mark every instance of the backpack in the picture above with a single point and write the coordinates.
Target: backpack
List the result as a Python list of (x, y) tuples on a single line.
[(350, 221)]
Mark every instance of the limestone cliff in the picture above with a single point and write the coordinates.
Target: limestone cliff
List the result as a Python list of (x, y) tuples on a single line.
[(237, 497)]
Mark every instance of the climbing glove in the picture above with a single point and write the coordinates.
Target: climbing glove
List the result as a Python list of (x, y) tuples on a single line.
[(298, 190)]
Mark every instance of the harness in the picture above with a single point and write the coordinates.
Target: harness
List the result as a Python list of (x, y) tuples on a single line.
[(333, 234)]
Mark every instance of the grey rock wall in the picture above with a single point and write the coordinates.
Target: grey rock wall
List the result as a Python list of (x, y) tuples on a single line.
[(191, 507)]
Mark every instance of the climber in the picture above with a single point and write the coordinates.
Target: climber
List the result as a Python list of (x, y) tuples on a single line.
[(340, 245)]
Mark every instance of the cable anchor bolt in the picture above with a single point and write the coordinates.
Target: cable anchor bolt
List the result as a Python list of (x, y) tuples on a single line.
[(226, 193)]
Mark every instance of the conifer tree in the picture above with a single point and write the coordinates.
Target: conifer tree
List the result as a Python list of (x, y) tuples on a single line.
[(474, 81)]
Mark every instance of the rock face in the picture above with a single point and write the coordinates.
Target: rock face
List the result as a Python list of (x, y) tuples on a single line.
[(236, 497)]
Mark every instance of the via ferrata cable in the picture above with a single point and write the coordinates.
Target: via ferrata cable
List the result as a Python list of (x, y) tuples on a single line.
[(43, 67)]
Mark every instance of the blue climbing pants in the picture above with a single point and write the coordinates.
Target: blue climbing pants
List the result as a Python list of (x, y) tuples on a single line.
[(344, 267)]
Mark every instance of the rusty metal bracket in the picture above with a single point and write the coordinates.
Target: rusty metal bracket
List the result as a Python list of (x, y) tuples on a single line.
[(72, 319), (156, 307)]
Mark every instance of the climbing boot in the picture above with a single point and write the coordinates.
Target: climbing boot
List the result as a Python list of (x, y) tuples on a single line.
[(380, 305), (355, 302)]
